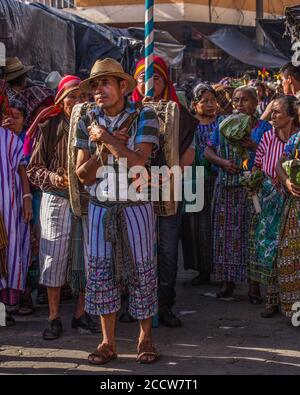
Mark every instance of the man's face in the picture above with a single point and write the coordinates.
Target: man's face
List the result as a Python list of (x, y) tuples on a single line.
[(108, 91), (17, 120), (286, 84), (73, 98), (159, 85)]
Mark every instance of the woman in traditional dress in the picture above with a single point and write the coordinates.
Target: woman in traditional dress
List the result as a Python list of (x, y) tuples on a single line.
[(196, 227), (232, 208), (263, 248), (289, 244), (16, 208)]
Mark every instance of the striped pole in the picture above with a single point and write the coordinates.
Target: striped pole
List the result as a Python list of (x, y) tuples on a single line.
[(149, 47)]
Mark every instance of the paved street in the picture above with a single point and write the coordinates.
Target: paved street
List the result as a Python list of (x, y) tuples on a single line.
[(218, 337)]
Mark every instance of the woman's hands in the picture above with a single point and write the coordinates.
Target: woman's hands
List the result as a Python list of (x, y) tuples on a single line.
[(230, 167), (292, 188)]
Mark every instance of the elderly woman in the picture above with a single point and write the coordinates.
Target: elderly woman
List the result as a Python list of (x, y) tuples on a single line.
[(196, 227), (263, 269), (288, 269), (232, 208)]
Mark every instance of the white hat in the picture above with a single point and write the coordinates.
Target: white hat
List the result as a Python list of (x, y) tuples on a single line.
[(53, 79)]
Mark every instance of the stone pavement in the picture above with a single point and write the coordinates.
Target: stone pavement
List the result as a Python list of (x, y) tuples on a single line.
[(217, 337)]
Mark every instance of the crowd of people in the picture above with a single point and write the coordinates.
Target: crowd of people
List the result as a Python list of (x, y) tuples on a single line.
[(57, 232)]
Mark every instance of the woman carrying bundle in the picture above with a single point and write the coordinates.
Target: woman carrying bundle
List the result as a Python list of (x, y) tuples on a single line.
[(232, 209)]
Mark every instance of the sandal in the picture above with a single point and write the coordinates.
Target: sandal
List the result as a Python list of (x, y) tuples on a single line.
[(146, 348), (102, 355), (270, 312), (227, 293)]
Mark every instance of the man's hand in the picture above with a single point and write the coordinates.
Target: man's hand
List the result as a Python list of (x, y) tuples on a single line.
[(98, 134), (27, 210), (292, 188), (231, 167), (248, 143), (61, 182), (121, 135)]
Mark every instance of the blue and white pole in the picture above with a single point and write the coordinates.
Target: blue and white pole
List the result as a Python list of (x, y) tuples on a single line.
[(149, 47)]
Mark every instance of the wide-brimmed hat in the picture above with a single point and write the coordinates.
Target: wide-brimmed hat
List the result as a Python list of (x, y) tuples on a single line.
[(108, 68), (14, 68)]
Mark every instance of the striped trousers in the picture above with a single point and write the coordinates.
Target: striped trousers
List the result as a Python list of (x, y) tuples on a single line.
[(55, 243)]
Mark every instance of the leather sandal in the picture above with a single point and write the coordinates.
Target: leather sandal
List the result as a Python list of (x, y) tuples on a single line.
[(146, 348), (102, 355)]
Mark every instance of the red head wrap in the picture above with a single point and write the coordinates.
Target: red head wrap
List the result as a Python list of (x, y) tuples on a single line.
[(68, 84), (161, 68)]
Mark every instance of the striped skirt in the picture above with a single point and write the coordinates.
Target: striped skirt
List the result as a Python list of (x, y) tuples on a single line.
[(288, 262), (264, 236), (55, 243), (232, 210), (103, 294)]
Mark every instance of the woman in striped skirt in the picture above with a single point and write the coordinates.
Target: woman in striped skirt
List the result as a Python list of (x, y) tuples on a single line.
[(264, 244), (289, 243), (196, 227), (232, 209)]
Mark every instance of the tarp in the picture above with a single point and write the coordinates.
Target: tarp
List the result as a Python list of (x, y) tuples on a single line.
[(234, 43), (275, 30), (37, 38), (92, 41)]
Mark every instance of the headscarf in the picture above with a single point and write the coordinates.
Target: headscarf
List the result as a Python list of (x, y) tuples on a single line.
[(161, 68), (68, 84), (32, 98)]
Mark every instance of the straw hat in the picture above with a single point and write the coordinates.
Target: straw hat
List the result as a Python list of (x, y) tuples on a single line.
[(108, 68), (14, 68)]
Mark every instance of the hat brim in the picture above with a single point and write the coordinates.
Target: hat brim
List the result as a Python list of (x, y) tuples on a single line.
[(85, 84), (12, 76), (66, 93)]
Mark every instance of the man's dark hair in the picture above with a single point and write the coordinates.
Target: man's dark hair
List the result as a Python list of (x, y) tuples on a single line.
[(18, 81), (290, 69), (19, 106)]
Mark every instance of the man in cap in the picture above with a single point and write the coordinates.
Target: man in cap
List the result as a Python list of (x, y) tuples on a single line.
[(121, 231)]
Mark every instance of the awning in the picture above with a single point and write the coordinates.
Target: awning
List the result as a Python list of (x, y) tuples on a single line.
[(234, 43)]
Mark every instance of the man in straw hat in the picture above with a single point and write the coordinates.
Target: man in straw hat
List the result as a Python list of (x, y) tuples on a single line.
[(15, 74), (121, 232), (47, 171)]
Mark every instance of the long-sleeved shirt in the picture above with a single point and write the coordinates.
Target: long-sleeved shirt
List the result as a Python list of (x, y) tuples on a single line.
[(50, 153)]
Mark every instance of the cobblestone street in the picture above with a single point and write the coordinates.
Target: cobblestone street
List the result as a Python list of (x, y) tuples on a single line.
[(217, 337)]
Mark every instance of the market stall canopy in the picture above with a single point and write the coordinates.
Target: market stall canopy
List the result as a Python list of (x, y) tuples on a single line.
[(37, 38), (274, 30), (235, 44)]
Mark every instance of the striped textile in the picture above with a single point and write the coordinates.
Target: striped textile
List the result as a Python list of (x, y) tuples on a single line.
[(269, 150), (144, 130), (11, 207), (103, 295), (55, 240), (40, 173), (232, 210)]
